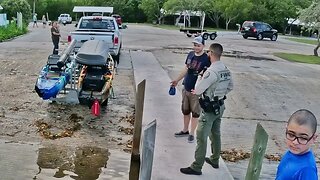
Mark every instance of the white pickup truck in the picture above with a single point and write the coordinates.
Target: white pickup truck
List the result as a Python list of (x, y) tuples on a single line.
[(99, 28), (65, 19)]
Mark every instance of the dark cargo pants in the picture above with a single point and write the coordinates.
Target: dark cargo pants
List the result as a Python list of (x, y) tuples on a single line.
[(209, 125)]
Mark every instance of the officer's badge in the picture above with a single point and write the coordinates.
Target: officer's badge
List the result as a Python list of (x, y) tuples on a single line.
[(206, 75)]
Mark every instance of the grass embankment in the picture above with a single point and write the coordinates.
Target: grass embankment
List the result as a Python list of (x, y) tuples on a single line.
[(310, 59), (303, 40), (11, 31)]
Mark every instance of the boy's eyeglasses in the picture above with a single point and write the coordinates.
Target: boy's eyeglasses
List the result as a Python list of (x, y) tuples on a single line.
[(301, 140)]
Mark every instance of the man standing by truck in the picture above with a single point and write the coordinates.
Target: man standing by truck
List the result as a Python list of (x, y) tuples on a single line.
[(55, 35)]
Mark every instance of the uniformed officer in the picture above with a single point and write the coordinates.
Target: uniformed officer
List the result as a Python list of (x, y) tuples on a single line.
[(213, 87)]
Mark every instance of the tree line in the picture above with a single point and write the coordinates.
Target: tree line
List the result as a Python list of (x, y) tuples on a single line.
[(220, 13)]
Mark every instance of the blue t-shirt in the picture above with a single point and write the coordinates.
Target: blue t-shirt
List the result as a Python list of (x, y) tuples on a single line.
[(195, 65), (297, 167)]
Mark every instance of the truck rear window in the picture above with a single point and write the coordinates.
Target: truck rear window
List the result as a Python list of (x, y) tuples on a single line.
[(103, 24)]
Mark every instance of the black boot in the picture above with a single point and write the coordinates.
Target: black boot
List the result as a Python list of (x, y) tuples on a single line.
[(216, 166), (190, 171)]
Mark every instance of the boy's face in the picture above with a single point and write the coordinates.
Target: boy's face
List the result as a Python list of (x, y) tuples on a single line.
[(299, 138), (198, 48)]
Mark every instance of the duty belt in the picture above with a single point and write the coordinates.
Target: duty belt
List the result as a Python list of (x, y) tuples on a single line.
[(220, 101)]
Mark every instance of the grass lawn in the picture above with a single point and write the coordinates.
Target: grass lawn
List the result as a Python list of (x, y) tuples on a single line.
[(302, 40), (310, 59)]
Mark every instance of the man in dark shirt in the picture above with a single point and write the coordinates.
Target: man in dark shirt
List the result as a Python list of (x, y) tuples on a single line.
[(55, 35), (196, 62)]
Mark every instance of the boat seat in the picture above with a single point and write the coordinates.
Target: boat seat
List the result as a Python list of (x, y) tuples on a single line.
[(52, 62), (95, 78)]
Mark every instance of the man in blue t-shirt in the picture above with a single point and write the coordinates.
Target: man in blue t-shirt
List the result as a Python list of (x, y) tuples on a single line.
[(196, 63), (298, 163)]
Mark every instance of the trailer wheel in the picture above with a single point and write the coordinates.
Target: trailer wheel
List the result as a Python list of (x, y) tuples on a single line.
[(213, 36), (205, 36)]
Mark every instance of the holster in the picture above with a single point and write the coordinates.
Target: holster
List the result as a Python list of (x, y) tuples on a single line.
[(210, 106)]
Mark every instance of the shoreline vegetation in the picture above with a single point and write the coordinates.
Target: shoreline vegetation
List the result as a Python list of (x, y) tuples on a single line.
[(309, 59), (10, 31)]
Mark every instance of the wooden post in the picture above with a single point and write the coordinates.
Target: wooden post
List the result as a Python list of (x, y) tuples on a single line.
[(149, 137), (257, 153), (135, 153)]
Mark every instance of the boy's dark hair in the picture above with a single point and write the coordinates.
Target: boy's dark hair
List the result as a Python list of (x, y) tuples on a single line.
[(216, 48), (304, 117)]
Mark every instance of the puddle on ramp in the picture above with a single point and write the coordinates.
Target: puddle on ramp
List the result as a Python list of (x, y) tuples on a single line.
[(82, 163)]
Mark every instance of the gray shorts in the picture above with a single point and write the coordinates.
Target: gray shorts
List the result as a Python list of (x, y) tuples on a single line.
[(190, 104)]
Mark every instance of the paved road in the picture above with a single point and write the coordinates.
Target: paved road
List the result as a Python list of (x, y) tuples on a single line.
[(265, 91)]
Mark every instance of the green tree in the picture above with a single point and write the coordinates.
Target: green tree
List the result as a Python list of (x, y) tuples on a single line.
[(153, 9), (311, 18), (293, 13), (275, 12), (11, 7), (184, 7), (212, 11), (128, 9), (232, 9)]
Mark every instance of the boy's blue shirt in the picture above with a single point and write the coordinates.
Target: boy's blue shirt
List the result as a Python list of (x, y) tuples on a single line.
[(297, 167), (195, 65)]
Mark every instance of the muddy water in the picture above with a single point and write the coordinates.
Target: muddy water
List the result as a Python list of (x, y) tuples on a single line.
[(80, 163), (27, 160)]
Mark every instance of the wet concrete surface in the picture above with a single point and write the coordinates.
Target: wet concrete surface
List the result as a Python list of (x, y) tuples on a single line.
[(18, 160)]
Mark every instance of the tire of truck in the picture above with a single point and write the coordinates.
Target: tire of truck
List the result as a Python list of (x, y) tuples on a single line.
[(116, 58), (213, 36), (260, 37), (205, 36)]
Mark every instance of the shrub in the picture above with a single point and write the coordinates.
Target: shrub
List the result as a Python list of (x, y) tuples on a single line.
[(11, 7), (10, 31)]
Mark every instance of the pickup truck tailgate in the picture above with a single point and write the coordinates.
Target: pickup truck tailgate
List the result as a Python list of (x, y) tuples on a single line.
[(82, 36)]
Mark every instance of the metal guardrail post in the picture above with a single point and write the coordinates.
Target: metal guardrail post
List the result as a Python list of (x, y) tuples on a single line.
[(135, 154), (257, 153), (149, 137)]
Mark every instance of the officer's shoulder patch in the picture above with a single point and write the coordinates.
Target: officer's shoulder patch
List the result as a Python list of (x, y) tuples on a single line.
[(206, 74)]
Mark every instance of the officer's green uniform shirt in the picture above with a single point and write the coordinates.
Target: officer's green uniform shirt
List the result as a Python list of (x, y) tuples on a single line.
[(216, 81)]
